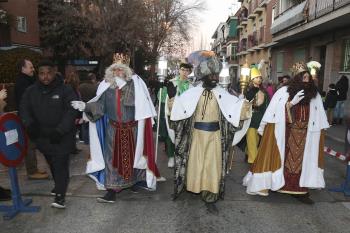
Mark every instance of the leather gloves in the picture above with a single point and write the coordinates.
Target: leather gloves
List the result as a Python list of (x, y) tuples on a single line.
[(55, 137), (297, 98), (78, 105)]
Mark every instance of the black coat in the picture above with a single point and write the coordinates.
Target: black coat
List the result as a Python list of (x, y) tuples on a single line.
[(331, 99), (342, 87), (23, 81), (49, 108)]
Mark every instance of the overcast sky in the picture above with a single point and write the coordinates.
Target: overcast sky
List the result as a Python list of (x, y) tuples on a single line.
[(216, 11)]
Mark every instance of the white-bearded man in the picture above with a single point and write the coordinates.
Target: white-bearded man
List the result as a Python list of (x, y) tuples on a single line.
[(123, 157)]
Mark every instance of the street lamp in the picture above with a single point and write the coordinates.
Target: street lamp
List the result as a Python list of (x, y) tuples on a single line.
[(162, 73), (244, 79), (162, 69), (224, 76)]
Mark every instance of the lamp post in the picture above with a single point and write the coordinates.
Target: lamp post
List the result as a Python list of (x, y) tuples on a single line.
[(162, 73), (224, 76), (244, 79)]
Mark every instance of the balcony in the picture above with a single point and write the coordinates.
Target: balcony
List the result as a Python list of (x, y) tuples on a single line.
[(252, 40), (258, 10), (320, 8), (323, 16), (252, 16), (289, 18), (239, 27), (263, 3)]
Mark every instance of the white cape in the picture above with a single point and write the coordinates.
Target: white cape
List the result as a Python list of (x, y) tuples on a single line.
[(230, 106), (311, 175), (143, 109)]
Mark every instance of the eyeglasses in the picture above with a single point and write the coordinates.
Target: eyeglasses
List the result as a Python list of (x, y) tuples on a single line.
[(185, 70)]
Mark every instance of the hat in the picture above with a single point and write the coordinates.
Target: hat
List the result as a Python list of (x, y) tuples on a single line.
[(298, 68), (254, 73), (210, 65)]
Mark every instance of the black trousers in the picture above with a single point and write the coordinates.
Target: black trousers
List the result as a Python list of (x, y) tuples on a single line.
[(59, 166)]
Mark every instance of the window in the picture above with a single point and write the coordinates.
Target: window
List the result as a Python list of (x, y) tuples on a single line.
[(273, 14), (21, 24), (346, 57), (234, 52), (299, 55)]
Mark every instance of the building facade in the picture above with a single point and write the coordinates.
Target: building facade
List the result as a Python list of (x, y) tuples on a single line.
[(225, 44), (254, 34), (311, 30), (21, 28)]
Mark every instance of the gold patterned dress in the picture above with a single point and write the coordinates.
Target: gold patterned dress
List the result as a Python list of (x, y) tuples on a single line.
[(296, 130)]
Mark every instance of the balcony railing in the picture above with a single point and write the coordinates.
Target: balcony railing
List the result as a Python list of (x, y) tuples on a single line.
[(252, 40), (242, 45), (320, 8)]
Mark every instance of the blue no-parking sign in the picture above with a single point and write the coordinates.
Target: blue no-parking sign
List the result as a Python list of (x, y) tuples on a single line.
[(13, 140)]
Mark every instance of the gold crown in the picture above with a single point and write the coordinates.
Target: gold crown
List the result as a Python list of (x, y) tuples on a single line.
[(298, 68), (119, 58)]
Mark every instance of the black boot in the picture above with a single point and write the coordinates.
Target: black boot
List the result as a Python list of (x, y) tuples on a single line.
[(59, 201), (211, 207), (109, 197)]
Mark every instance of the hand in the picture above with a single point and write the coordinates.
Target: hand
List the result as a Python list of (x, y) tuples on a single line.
[(78, 105), (297, 98), (33, 131), (3, 94), (246, 111), (171, 90), (55, 137)]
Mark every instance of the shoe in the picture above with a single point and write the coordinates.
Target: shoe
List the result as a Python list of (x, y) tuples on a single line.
[(171, 162), (42, 172), (304, 198), (53, 192), (211, 207), (59, 202), (38, 176), (143, 185), (161, 179), (109, 197), (5, 194), (134, 189)]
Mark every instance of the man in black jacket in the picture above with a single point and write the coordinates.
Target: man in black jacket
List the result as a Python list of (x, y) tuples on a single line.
[(25, 79), (46, 112)]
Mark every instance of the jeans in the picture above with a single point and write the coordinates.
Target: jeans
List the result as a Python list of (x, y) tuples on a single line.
[(339, 110), (59, 166)]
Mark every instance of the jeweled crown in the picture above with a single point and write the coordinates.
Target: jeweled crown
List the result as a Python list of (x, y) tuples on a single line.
[(119, 58)]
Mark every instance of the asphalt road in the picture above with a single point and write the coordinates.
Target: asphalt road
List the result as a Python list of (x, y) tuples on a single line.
[(156, 212)]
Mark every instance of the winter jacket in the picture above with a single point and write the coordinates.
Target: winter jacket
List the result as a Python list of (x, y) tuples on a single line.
[(49, 109), (331, 99), (342, 87), (23, 81)]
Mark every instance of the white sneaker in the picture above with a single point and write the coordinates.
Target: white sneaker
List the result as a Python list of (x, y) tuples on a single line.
[(171, 162), (161, 179)]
